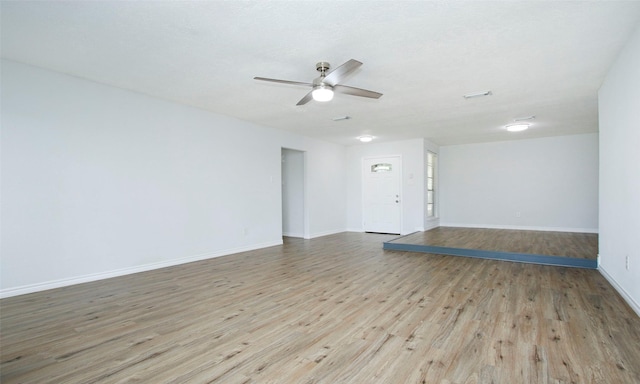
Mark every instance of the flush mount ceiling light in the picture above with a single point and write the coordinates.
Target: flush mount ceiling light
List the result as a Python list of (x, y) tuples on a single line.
[(517, 127), (477, 94), (340, 118), (365, 138)]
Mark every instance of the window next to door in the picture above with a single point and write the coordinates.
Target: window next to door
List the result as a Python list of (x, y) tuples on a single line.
[(431, 184)]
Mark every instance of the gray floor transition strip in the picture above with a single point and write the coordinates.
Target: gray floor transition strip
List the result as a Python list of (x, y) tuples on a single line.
[(495, 255)]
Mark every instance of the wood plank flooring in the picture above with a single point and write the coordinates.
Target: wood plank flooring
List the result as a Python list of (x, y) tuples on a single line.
[(567, 244), (336, 309)]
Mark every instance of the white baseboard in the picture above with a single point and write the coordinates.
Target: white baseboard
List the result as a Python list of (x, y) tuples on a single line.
[(293, 234), (25, 289), (326, 233), (625, 295), (431, 223), (522, 227)]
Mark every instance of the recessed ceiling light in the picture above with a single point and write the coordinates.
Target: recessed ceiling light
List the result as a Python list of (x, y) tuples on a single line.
[(477, 94), (365, 138), (517, 127)]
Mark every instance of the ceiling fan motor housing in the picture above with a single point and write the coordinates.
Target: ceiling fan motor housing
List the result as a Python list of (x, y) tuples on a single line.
[(318, 81), (322, 67)]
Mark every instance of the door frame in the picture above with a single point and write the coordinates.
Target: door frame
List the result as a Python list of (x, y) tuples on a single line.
[(362, 187)]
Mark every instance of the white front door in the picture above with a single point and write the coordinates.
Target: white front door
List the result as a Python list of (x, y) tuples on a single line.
[(381, 194)]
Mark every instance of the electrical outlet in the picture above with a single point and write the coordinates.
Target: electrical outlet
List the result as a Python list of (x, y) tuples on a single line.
[(518, 214)]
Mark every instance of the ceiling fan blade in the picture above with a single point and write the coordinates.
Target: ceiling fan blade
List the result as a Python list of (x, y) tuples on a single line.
[(356, 91), (305, 99), (283, 81), (340, 73)]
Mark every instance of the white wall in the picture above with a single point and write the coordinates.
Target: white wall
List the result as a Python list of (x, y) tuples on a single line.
[(293, 193), (552, 183), (619, 112), (99, 181), (413, 181)]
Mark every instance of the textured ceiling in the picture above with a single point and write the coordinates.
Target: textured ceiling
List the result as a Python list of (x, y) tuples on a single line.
[(542, 58)]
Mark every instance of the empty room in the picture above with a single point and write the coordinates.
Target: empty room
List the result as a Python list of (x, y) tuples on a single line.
[(320, 192)]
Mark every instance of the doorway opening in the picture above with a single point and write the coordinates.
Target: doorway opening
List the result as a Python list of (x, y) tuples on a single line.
[(294, 218)]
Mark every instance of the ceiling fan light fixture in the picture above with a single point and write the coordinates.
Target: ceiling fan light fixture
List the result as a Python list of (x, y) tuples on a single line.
[(322, 93), (517, 127)]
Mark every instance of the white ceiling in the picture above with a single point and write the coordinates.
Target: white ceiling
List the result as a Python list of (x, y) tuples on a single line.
[(542, 58)]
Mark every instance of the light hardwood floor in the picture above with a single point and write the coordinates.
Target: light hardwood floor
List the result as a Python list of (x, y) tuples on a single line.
[(567, 244), (336, 309)]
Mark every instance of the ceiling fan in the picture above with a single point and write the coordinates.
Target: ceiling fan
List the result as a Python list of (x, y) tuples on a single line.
[(328, 82)]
